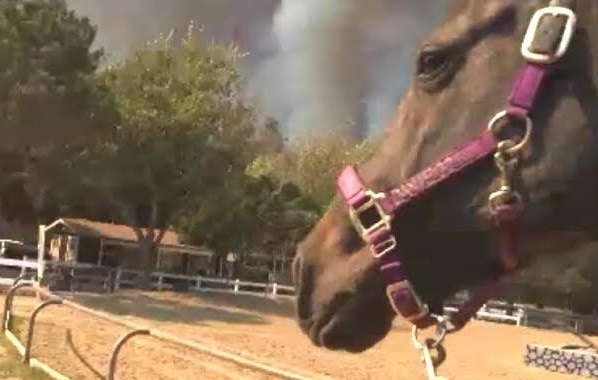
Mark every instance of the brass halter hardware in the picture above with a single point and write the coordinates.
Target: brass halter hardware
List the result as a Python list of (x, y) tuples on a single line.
[(506, 159)]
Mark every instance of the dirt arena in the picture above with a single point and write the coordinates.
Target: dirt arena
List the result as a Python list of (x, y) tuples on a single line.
[(263, 330)]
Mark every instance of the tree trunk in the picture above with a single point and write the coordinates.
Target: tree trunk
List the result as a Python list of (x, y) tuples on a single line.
[(148, 254), (32, 183)]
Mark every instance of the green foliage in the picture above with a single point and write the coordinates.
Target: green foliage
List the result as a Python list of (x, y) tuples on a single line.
[(314, 165), (184, 150), (182, 135), (276, 203), (48, 92), (253, 214), (181, 128), (164, 91)]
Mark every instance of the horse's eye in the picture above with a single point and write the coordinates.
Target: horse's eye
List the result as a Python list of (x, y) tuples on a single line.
[(432, 61), (436, 66)]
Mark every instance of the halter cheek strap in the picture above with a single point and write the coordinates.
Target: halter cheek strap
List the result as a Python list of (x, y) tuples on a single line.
[(546, 41)]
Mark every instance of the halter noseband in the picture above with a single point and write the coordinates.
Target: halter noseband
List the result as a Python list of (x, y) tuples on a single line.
[(546, 41)]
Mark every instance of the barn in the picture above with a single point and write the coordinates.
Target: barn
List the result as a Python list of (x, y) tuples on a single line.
[(82, 241)]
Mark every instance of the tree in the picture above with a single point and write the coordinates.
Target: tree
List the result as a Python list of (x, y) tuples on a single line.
[(48, 93), (313, 165), (183, 131), (225, 220), (286, 216), (278, 200), (258, 214)]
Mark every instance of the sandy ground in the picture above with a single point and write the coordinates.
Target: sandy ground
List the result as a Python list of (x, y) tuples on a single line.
[(264, 330)]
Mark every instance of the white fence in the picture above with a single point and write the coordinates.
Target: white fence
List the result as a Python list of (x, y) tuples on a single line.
[(128, 278), (23, 265), (120, 278), (205, 284), (494, 314)]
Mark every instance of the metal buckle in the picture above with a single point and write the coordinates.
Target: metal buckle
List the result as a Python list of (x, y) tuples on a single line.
[(405, 284), (384, 247), (533, 29), (372, 203)]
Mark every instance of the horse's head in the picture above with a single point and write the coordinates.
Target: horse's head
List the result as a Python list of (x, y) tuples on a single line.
[(465, 71)]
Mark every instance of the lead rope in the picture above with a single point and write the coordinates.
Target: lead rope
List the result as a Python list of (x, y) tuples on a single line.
[(432, 362)]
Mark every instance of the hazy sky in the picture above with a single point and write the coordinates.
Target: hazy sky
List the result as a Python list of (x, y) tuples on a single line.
[(313, 65)]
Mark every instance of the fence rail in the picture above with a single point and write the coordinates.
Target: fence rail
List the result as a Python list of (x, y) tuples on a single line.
[(117, 278), (492, 315)]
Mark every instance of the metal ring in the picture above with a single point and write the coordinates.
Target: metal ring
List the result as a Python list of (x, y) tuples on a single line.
[(502, 152), (495, 127), (441, 331)]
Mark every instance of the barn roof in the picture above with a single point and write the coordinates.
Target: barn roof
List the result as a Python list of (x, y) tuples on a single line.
[(85, 227)]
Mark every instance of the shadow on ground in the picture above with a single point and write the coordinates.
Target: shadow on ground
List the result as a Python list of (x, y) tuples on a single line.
[(160, 307), (281, 307)]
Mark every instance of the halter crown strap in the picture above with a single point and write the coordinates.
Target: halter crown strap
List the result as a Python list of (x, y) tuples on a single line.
[(546, 41)]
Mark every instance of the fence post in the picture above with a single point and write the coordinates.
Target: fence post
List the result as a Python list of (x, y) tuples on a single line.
[(73, 280), (274, 290), (236, 288), (116, 349), (24, 265), (108, 282), (10, 294), (41, 250), (160, 282), (198, 283), (117, 279)]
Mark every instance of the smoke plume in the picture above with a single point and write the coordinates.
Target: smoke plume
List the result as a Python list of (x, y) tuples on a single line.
[(342, 64), (316, 66), (125, 24), (317, 69)]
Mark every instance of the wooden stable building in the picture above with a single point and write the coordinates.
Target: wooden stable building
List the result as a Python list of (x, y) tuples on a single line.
[(263, 267), (82, 241)]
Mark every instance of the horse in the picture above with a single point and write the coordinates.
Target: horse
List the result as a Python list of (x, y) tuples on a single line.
[(464, 190)]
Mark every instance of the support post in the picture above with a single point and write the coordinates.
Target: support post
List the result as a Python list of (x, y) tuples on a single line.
[(41, 248), (101, 252), (236, 287), (108, 282), (116, 349), (18, 279), (24, 266), (75, 247), (117, 279), (32, 318), (10, 294)]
